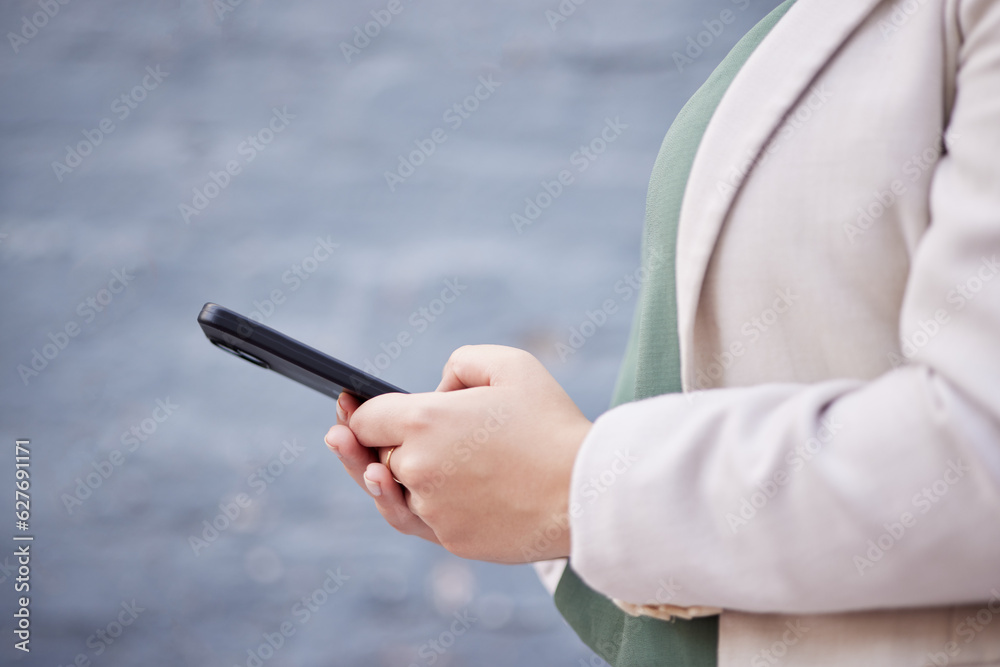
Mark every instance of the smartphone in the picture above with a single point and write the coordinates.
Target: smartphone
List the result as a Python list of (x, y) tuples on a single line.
[(267, 348)]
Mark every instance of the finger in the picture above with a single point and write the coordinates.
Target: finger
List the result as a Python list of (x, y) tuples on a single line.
[(390, 499), (346, 405), (355, 458), (390, 458), (480, 366), (385, 421)]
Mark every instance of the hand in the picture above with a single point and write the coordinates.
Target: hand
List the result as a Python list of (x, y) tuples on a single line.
[(486, 459), (362, 464)]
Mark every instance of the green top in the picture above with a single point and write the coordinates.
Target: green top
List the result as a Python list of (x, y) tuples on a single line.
[(651, 368)]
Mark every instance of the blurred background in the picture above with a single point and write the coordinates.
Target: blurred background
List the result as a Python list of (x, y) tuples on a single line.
[(329, 168)]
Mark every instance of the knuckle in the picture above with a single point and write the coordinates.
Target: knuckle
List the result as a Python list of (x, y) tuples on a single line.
[(460, 547), (461, 352), (420, 469), (418, 505), (522, 357), (457, 359), (425, 509), (421, 418)]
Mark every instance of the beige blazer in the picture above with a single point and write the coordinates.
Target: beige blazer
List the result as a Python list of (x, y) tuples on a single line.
[(832, 478)]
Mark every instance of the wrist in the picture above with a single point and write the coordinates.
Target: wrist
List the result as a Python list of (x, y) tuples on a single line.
[(553, 538)]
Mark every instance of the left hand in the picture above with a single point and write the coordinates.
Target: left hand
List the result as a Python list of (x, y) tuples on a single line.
[(486, 460)]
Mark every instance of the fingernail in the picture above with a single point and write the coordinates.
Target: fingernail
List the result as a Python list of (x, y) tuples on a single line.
[(341, 413), (332, 447), (373, 487)]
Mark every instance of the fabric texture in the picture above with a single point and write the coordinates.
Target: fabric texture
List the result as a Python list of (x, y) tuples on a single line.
[(621, 634), (831, 475), (657, 363)]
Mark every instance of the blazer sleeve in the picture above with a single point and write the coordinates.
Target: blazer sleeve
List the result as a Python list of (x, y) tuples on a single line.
[(841, 495)]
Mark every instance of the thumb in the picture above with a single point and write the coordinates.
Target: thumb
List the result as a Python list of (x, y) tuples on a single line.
[(481, 366)]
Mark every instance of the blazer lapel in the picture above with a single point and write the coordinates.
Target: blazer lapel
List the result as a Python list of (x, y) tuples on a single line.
[(777, 75)]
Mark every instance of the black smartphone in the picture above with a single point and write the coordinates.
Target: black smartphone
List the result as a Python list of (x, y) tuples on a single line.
[(271, 349)]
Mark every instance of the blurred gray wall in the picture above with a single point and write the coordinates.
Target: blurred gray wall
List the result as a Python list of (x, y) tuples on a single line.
[(159, 154)]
